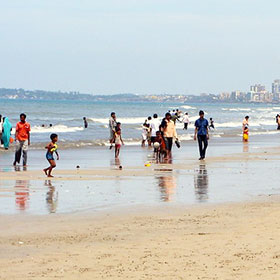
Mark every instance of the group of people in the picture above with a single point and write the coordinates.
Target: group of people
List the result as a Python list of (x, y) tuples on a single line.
[(162, 133)]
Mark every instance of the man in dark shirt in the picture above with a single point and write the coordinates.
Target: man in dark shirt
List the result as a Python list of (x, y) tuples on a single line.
[(201, 134)]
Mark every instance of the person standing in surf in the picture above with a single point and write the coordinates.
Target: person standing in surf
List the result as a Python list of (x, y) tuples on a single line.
[(245, 129), (22, 138), (112, 128), (186, 121), (201, 134)]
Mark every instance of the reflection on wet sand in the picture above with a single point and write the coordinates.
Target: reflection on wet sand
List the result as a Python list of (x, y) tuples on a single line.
[(245, 147), (201, 183), (52, 197), (22, 194), (167, 185)]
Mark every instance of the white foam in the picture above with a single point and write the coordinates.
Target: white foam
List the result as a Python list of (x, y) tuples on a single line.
[(55, 129), (188, 107), (135, 120)]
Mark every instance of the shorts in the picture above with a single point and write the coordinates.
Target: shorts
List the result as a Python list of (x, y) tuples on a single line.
[(168, 143), (49, 156), (118, 146)]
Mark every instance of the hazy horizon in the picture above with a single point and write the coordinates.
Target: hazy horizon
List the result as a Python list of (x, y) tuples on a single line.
[(141, 47)]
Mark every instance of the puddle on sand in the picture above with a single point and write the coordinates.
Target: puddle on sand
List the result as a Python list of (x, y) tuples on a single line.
[(204, 184)]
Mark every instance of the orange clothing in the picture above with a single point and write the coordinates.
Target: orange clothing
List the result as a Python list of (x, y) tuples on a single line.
[(22, 130), (170, 129)]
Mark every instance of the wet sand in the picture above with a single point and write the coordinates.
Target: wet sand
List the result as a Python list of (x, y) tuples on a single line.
[(143, 239)]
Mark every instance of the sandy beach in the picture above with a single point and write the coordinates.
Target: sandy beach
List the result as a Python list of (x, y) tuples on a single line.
[(187, 220), (232, 241)]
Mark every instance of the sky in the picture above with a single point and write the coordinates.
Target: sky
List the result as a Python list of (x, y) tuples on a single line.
[(139, 46)]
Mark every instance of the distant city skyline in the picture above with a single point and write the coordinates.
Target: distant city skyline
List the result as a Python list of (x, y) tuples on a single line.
[(141, 47)]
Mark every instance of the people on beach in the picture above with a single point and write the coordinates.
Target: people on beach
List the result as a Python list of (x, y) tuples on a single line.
[(278, 122), (145, 128), (118, 142), (22, 138), (51, 149), (112, 128), (186, 121), (85, 122), (154, 127), (201, 134), (1, 129), (6, 133), (169, 133), (159, 146), (245, 129), (149, 135), (211, 126), (246, 134)]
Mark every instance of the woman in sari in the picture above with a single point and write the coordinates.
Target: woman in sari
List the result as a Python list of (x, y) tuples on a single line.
[(6, 133)]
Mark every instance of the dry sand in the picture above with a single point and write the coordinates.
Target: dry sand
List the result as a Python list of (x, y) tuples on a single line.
[(234, 241)]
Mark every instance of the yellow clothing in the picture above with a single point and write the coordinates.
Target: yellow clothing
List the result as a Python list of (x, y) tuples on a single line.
[(170, 130)]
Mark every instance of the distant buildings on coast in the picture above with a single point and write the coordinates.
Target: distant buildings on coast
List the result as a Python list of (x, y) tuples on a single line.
[(256, 94)]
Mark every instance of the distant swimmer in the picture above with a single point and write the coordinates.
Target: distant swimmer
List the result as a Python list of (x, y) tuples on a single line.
[(85, 122), (51, 149), (211, 123)]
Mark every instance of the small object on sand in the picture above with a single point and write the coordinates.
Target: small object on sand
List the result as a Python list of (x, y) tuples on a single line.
[(147, 164), (78, 166), (120, 167)]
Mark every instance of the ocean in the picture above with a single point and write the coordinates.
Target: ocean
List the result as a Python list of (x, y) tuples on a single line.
[(66, 118)]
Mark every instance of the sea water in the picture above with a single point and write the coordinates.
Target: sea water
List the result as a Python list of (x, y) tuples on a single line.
[(66, 118)]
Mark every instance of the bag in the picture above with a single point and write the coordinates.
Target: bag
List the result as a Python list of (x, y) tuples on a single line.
[(178, 144)]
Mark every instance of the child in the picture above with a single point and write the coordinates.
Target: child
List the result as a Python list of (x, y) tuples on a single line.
[(145, 129), (52, 148), (246, 134), (118, 142), (161, 150), (211, 124)]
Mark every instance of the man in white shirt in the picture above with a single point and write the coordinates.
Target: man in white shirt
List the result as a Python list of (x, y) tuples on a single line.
[(154, 125), (186, 121)]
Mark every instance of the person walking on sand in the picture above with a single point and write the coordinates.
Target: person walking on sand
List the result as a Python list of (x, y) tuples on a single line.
[(51, 148), (22, 138), (186, 121), (169, 133), (154, 126), (201, 134), (245, 129), (112, 128)]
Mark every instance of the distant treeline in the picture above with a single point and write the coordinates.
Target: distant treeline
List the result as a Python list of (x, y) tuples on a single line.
[(58, 95)]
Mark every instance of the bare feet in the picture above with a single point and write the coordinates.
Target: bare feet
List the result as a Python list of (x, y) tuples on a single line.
[(45, 170), (50, 176)]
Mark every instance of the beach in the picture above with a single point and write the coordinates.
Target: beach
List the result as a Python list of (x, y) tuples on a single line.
[(216, 219), (231, 241), (132, 217)]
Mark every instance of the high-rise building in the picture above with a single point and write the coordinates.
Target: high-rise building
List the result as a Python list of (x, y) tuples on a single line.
[(276, 86), (257, 88)]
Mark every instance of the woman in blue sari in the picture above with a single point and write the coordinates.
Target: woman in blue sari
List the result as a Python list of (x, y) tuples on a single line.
[(6, 133)]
